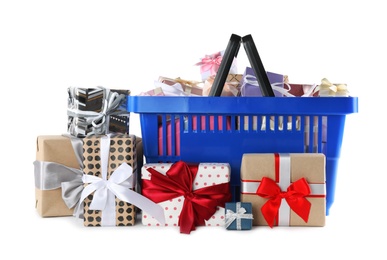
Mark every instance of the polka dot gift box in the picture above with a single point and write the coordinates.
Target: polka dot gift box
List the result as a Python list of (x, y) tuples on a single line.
[(190, 194), (110, 172)]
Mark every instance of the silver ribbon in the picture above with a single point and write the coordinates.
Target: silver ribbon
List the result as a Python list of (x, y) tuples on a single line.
[(98, 120), (119, 184), (237, 216), (51, 175)]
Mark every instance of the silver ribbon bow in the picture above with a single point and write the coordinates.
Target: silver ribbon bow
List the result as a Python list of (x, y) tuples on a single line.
[(98, 120), (240, 213), (51, 175)]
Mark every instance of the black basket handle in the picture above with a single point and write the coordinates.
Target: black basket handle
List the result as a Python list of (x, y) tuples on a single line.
[(230, 53)]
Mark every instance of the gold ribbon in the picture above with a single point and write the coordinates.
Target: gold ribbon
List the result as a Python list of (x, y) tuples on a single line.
[(189, 83), (326, 88)]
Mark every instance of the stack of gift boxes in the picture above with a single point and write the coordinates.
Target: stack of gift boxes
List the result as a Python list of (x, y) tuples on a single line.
[(95, 171)]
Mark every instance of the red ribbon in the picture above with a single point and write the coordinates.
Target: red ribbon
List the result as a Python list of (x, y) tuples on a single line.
[(294, 196), (199, 205)]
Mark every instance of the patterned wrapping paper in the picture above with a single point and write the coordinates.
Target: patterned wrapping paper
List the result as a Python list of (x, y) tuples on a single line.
[(97, 111), (122, 149), (208, 174), (289, 175)]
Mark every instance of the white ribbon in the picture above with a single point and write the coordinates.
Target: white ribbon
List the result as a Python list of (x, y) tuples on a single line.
[(119, 184), (278, 86), (232, 216)]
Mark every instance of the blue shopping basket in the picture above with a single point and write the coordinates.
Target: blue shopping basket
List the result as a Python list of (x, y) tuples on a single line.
[(214, 129)]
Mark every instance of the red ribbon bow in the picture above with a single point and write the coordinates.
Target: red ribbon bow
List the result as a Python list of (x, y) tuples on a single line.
[(199, 205), (210, 63), (294, 196)]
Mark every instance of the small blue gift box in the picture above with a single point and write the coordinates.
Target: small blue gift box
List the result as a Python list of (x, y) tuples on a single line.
[(238, 216)]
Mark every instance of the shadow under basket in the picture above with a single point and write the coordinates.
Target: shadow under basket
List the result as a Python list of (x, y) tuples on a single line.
[(222, 129)]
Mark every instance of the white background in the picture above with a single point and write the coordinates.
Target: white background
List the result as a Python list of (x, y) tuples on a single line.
[(47, 46)]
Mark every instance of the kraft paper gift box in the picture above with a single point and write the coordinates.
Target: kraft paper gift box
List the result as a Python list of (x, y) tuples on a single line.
[(58, 172), (191, 194), (97, 111), (231, 87), (250, 87), (192, 88), (284, 189), (239, 216), (57, 160)]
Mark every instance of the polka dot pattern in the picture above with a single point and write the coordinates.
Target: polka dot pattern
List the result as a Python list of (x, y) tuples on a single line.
[(209, 174), (122, 149)]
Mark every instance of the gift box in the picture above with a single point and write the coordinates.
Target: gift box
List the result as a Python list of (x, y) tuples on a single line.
[(239, 216), (97, 111), (231, 87), (58, 170), (192, 88), (190, 194), (328, 89), (250, 87), (58, 159), (209, 65), (103, 155), (284, 189), (301, 90)]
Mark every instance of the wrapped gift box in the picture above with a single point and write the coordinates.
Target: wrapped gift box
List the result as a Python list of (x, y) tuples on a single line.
[(97, 111), (192, 88), (57, 161), (285, 189), (203, 186), (209, 65), (231, 87), (250, 86), (239, 216), (120, 149)]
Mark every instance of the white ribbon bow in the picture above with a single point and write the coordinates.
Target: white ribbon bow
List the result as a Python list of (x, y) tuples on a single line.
[(231, 216), (119, 184)]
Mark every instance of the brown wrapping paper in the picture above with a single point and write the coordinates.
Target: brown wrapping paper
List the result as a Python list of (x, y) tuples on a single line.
[(122, 149), (58, 149), (191, 87), (311, 166), (231, 87)]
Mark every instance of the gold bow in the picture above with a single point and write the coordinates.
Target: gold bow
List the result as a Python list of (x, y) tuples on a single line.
[(189, 83), (326, 88)]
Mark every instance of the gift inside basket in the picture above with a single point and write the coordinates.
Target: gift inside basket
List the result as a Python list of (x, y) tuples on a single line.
[(222, 129)]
